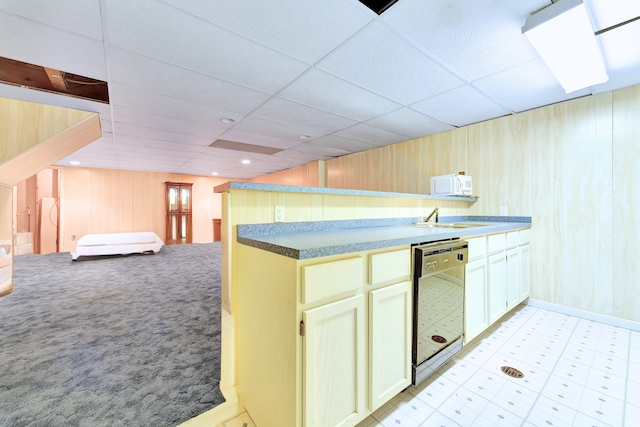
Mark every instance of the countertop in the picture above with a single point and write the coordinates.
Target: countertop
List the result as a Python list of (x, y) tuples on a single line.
[(330, 191), (303, 240)]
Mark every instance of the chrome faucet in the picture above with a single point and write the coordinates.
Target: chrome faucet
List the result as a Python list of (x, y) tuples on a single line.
[(434, 212)]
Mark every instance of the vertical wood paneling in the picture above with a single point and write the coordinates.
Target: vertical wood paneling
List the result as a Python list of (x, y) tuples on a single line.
[(305, 176), (626, 203), (517, 151), (25, 124), (148, 204), (478, 168), (109, 201), (544, 250), (559, 165)]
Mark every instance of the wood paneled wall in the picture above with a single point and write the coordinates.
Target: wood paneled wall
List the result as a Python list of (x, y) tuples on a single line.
[(571, 166), (34, 136), (24, 124), (110, 201), (309, 175), (626, 202)]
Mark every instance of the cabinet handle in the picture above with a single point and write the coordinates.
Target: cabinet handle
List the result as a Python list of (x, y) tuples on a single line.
[(302, 328)]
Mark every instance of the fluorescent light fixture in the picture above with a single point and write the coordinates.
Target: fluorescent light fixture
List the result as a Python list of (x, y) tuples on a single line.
[(74, 162), (246, 162), (564, 38)]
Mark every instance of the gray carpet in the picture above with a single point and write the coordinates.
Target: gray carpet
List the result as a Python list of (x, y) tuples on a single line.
[(111, 341)]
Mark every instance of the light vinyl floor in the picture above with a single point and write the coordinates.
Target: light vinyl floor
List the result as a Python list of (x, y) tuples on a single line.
[(577, 372)]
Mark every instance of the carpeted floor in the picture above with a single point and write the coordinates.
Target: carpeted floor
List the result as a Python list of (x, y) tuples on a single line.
[(111, 341)]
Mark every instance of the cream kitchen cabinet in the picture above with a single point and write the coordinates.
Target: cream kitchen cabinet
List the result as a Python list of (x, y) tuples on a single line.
[(508, 272), (524, 282), (321, 342), (334, 354), (496, 276), (389, 342), (475, 293)]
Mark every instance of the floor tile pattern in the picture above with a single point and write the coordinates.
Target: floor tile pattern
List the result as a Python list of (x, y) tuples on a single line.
[(577, 372)]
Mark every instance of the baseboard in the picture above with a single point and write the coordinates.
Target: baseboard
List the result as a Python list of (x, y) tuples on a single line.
[(584, 314)]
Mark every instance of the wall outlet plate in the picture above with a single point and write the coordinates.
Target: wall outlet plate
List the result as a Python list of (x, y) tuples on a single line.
[(504, 211), (278, 213)]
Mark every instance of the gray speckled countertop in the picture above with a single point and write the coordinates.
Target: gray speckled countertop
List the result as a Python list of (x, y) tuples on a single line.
[(324, 190), (303, 240)]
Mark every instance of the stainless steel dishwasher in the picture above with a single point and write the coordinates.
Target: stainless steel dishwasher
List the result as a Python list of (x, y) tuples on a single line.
[(438, 304)]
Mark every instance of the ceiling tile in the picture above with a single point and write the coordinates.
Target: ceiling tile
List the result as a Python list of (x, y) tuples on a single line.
[(304, 30), (38, 44), (607, 13), (152, 103), (258, 139), (409, 123), (330, 93), (321, 150), (153, 134), (615, 45), (282, 134), (78, 16), (169, 80), (137, 117), (301, 157), (473, 39), (160, 31), (446, 107), (371, 135), (379, 60), (342, 143), (157, 145), (285, 111), (126, 148), (525, 87)]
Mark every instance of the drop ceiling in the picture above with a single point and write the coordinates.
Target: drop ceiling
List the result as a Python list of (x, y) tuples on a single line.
[(315, 79)]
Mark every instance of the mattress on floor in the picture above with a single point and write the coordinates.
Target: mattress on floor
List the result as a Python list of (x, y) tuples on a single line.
[(117, 244)]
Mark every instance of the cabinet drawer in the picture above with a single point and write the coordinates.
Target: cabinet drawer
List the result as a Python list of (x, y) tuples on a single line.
[(477, 247), (525, 236), (496, 243), (331, 278), (386, 266), (512, 239)]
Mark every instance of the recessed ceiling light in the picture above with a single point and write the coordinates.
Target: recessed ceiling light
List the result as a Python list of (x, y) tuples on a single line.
[(227, 120), (214, 173), (74, 162), (246, 162), (305, 136)]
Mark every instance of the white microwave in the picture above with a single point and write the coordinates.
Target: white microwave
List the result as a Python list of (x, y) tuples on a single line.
[(451, 185)]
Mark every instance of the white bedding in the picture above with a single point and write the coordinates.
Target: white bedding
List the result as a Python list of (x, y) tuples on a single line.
[(117, 244)]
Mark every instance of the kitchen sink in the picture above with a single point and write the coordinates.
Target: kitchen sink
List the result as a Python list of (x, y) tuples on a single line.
[(445, 225)]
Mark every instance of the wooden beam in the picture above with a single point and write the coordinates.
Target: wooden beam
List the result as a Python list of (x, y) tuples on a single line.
[(56, 78)]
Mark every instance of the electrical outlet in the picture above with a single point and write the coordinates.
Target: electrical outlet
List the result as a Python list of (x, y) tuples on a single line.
[(504, 211), (73, 237), (279, 213)]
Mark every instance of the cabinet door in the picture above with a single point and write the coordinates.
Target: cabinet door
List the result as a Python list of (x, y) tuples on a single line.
[(475, 299), (525, 273), (333, 363), (513, 278), (389, 342), (497, 278)]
